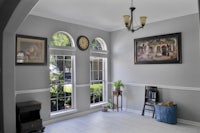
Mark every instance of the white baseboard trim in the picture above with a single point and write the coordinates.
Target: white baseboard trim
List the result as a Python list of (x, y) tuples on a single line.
[(188, 122), (139, 112), (133, 111), (58, 119)]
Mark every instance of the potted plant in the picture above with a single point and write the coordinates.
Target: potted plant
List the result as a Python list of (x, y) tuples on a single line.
[(118, 84), (107, 106)]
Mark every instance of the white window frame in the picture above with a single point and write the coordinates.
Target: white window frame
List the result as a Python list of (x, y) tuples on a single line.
[(66, 51), (103, 55)]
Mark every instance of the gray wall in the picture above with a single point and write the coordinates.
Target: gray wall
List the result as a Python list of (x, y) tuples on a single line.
[(6, 10), (9, 106), (187, 102), (165, 76), (36, 78)]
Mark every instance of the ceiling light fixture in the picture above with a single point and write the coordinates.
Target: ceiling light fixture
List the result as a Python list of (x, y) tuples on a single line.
[(129, 21)]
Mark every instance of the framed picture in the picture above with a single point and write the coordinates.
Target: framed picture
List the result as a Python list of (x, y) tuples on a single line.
[(31, 50), (162, 49)]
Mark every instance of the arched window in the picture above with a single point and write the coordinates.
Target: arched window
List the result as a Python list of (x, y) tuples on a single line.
[(61, 65), (98, 44), (98, 72), (62, 38)]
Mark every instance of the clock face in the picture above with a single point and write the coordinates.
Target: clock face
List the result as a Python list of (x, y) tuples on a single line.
[(82, 42)]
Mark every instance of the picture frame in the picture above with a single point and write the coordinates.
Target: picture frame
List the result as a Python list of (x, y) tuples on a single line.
[(31, 50), (161, 49)]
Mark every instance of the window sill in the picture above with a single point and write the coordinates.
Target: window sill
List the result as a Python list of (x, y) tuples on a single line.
[(62, 113), (99, 51), (97, 104)]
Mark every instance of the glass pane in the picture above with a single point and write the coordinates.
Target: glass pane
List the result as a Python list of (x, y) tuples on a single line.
[(61, 102), (95, 64), (95, 45), (68, 66), (100, 75), (53, 105), (54, 72), (53, 91), (94, 75), (54, 77), (68, 70), (100, 64), (59, 57), (68, 78), (60, 91), (60, 65), (60, 73), (60, 39), (68, 89), (67, 57), (96, 92), (68, 102), (53, 60)]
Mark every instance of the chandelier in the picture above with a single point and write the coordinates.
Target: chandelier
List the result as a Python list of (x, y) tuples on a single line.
[(128, 20)]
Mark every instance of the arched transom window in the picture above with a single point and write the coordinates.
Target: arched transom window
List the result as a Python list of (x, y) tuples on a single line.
[(98, 44), (61, 38)]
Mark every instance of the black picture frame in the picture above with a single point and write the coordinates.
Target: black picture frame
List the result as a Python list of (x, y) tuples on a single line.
[(31, 50), (161, 49)]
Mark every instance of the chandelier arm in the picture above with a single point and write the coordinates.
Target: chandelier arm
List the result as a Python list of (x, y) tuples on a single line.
[(133, 30)]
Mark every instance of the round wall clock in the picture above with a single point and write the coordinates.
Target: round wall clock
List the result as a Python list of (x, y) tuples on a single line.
[(82, 42)]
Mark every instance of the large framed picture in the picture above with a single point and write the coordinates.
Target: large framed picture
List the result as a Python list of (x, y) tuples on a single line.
[(31, 50), (162, 49)]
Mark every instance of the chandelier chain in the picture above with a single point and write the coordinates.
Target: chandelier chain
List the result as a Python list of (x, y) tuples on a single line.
[(131, 3)]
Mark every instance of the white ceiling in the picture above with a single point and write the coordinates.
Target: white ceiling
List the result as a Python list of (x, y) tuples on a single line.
[(107, 14)]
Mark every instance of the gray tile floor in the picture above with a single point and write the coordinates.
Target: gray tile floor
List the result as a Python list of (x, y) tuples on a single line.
[(117, 122)]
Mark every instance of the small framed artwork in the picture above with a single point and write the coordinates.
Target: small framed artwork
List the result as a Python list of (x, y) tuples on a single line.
[(162, 49), (31, 50)]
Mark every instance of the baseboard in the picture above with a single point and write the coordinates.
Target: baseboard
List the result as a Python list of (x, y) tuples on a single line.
[(183, 121), (58, 119), (133, 111), (194, 123)]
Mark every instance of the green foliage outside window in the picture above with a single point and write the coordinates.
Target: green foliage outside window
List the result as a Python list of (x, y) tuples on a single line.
[(96, 87), (52, 60), (96, 93), (60, 39), (95, 45)]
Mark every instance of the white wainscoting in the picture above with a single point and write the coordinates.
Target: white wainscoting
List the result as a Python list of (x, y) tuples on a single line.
[(125, 109), (162, 86), (43, 90), (31, 91)]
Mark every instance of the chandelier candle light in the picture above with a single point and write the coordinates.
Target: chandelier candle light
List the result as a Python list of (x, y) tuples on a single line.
[(129, 21)]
